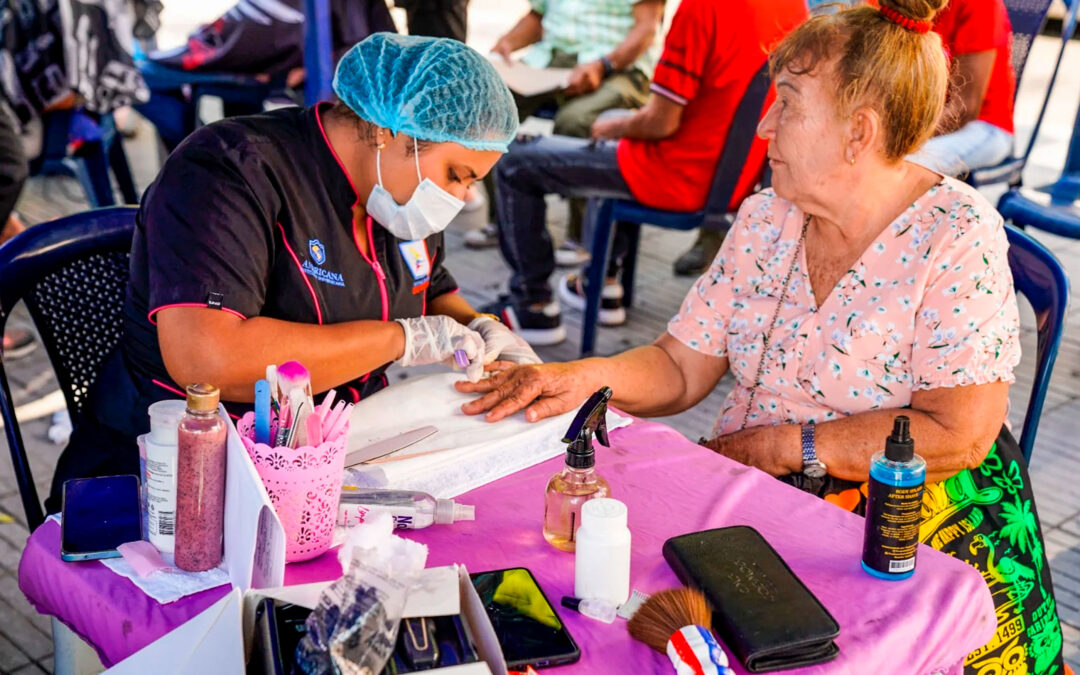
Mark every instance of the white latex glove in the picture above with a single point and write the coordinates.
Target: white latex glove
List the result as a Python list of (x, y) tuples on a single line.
[(501, 343), (434, 339)]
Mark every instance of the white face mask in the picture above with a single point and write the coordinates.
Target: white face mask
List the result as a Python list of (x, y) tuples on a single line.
[(429, 210)]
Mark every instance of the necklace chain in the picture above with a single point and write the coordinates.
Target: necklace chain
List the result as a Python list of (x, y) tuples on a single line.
[(767, 338)]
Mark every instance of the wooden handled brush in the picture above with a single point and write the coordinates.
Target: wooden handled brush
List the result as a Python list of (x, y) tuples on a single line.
[(676, 623)]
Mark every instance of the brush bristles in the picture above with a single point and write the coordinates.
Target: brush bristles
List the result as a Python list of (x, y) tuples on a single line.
[(666, 612)]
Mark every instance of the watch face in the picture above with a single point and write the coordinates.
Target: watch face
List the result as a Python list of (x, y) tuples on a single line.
[(814, 469)]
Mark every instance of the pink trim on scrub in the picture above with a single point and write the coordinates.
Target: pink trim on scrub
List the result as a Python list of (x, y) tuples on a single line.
[(300, 268), (150, 315)]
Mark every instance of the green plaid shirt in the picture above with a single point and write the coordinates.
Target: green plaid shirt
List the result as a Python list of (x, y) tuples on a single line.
[(588, 28)]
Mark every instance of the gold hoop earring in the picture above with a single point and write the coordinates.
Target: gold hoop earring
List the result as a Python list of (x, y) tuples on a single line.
[(382, 146), (851, 160)]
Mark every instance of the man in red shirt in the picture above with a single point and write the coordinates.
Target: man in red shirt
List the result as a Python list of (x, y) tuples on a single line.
[(666, 156), (976, 130)]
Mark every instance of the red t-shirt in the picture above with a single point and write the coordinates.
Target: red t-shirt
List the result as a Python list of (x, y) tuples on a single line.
[(972, 26), (711, 52)]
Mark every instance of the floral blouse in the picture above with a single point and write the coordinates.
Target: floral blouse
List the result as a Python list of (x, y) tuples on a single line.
[(929, 304)]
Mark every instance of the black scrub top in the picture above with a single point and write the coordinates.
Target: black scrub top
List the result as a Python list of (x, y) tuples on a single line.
[(254, 216)]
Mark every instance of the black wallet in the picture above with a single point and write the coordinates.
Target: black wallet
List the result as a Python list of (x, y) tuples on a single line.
[(761, 610)]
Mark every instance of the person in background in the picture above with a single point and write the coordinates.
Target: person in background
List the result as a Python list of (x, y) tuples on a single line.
[(18, 340), (309, 234), (612, 47), (976, 130), (437, 18), (664, 155), (835, 314)]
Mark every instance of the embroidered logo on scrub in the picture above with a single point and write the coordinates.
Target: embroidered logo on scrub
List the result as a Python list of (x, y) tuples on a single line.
[(318, 254), (415, 255)]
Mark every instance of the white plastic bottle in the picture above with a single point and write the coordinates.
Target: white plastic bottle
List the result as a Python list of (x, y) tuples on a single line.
[(410, 510), (602, 557), (161, 450)]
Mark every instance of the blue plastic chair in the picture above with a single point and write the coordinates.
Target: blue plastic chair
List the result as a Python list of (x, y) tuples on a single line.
[(72, 274), (1057, 213), (1027, 18), (1040, 278), (101, 150), (633, 214)]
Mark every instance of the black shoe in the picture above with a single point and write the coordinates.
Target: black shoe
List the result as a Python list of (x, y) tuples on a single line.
[(572, 293), (696, 260), (538, 324)]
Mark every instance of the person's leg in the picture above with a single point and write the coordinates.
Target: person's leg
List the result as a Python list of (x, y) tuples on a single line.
[(976, 145), (532, 169), (487, 236), (13, 167), (621, 91), (438, 18)]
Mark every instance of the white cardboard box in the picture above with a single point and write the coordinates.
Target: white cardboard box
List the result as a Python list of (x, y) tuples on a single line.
[(216, 640)]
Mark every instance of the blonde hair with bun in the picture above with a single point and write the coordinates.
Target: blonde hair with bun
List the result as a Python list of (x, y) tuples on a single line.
[(901, 74)]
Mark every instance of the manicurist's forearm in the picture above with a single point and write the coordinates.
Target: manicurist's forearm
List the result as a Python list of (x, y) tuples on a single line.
[(232, 354), (454, 306)]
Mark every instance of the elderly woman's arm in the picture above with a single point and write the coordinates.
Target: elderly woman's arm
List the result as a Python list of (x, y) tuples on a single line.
[(663, 378), (953, 428)]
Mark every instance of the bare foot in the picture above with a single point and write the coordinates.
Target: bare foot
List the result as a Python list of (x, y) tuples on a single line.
[(12, 227)]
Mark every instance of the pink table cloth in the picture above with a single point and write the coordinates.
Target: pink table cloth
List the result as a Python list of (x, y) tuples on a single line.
[(926, 624)]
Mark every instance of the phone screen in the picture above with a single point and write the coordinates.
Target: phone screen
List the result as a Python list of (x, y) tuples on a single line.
[(528, 629), (99, 514)]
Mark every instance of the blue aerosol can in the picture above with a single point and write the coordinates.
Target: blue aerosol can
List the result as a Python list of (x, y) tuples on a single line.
[(894, 506)]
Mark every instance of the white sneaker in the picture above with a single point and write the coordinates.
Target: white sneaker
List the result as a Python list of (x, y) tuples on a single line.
[(483, 237), (612, 312), (571, 254)]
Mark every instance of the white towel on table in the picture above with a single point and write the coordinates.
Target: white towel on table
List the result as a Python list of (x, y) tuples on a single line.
[(479, 451)]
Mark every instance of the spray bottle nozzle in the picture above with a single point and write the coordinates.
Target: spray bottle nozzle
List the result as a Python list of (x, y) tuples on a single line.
[(899, 447), (591, 419)]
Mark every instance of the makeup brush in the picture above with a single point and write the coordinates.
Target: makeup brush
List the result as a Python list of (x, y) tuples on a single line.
[(675, 623)]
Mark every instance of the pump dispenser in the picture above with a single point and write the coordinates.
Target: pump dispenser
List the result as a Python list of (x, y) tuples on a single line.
[(894, 505), (578, 482)]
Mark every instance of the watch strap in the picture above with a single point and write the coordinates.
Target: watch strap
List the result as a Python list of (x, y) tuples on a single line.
[(809, 450), (609, 67)]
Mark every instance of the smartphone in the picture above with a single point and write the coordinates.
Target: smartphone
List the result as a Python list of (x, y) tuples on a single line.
[(529, 630), (99, 514)]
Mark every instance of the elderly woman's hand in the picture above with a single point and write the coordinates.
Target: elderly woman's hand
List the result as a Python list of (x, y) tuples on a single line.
[(542, 390)]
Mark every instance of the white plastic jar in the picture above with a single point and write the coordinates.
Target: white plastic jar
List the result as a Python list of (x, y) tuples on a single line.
[(602, 556), (161, 450)]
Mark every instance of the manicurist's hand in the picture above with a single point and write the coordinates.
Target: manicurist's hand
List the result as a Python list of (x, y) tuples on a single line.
[(434, 339), (501, 343), (541, 390)]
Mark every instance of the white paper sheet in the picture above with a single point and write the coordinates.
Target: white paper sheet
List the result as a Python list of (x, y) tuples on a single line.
[(254, 537), (529, 81), (479, 452)]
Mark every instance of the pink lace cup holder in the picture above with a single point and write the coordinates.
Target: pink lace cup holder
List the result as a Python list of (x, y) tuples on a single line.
[(304, 485)]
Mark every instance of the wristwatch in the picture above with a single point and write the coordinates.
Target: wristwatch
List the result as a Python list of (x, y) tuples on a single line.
[(609, 67), (812, 467)]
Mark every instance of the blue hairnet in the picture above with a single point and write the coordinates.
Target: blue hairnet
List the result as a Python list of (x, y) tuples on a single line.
[(432, 89)]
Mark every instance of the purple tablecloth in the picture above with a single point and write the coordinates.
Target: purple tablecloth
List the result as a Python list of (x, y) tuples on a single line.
[(671, 486)]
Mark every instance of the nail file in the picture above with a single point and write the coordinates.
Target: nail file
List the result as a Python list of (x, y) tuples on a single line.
[(314, 429), (388, 446), (262, 412)]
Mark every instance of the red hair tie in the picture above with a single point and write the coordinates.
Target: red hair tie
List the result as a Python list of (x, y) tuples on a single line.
[(905, 21)]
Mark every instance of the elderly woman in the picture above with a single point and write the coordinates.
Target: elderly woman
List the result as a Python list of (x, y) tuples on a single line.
[(858, 286)]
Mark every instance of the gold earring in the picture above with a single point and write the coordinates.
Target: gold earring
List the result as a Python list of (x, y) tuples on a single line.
[(851, 160), (382, 146)]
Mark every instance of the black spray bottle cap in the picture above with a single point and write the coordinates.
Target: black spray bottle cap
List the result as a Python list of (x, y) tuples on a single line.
[(899, 447), (591, 419)]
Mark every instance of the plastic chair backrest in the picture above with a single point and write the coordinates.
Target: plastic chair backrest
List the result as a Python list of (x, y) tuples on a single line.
[(72, 274), (740, 138), (1039, 277), (1027, 18)]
